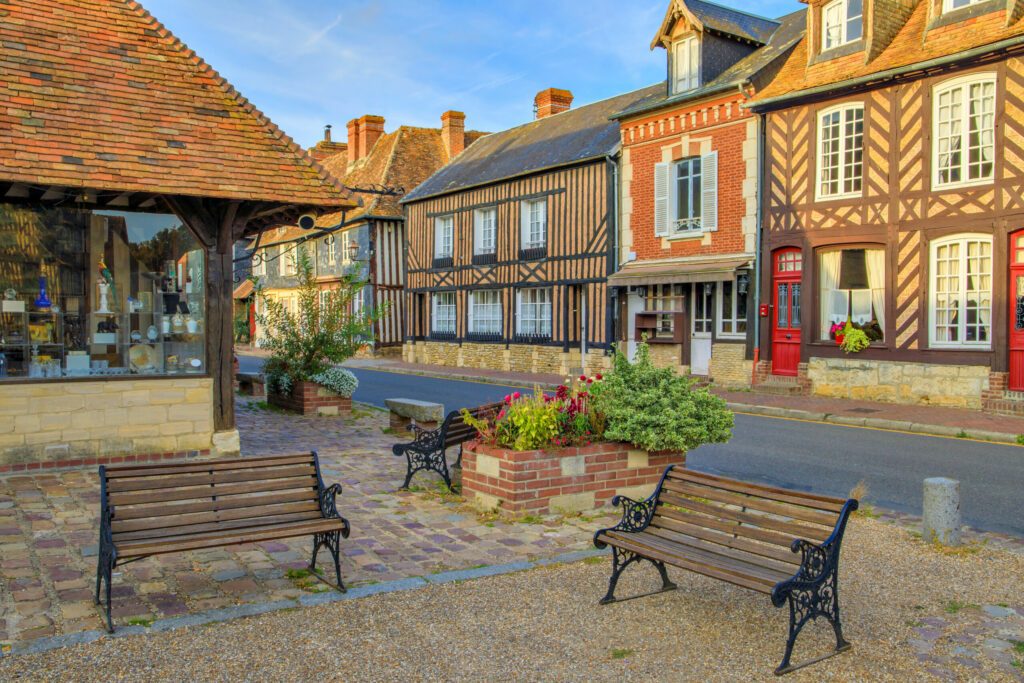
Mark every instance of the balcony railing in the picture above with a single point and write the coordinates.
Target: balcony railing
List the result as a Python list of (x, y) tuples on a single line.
[(484, 336), (443, 262), (436, 335), (533, 253), (687, 226), (485, 259)]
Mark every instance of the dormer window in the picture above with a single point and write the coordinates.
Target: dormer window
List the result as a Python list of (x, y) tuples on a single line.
[(842, 22), (950, 5), (686, 64)]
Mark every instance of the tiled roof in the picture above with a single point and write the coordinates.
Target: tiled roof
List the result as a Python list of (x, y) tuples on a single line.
[(790, 30), (913, 44), (569, 137), (98, 94), (714, 17)]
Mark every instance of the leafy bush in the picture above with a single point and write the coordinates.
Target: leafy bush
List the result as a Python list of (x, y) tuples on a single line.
[(656, 409), (338, 380), (322, 332), (855, 340)]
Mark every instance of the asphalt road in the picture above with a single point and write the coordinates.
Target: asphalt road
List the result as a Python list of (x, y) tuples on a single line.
[(824, 458)]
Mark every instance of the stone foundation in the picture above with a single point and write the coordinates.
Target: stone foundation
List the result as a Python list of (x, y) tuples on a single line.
[(565, 480), (728, 367), (86, 422), (309, 398), (526, 358), (953, 386)]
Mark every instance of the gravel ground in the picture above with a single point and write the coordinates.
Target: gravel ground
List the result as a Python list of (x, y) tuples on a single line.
[(545, 624)]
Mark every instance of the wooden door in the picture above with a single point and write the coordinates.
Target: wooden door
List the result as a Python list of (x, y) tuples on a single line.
[(1016, 317), (702, 321), (787, 270)]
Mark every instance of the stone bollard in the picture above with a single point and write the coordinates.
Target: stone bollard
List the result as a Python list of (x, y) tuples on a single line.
[(941, 521)]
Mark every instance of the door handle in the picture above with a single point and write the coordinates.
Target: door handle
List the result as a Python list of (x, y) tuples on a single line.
[(789, 336)]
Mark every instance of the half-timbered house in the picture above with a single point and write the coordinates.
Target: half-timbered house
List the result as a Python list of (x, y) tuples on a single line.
[(893, 202), (690, 174), (510, 245)]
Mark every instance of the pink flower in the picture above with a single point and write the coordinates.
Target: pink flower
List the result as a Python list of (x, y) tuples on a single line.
[(501, 413), (516, 396), (508, 399)]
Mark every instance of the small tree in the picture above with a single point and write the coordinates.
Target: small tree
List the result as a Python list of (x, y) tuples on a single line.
[(323, 332)]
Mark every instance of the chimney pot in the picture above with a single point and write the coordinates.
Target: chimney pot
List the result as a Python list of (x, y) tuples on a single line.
[(453, 132), (327, 133), (552, 101)]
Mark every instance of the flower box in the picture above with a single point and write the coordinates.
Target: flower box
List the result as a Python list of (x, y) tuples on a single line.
[(562, 480), (309, 398)]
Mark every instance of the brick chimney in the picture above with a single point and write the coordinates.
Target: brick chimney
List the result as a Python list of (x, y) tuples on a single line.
[(362, 134), (326, 148), (551, 101), (353, 141), (453, 132)]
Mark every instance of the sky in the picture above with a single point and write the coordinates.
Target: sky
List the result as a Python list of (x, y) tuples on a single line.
[(306, 63)]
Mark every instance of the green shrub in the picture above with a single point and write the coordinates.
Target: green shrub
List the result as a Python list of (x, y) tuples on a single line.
[(338, 380), (854, 340), (657, 409)]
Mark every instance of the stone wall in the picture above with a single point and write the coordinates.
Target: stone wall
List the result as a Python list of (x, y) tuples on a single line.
[(668, 356), (525, 358), (65, 422), (728, 367), (565, 480), (954, 386)]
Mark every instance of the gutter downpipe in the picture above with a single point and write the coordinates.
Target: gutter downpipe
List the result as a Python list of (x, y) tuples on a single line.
[(613, 225), (761, 137)]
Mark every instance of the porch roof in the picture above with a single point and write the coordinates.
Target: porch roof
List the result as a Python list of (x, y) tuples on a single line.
[(675, 272)]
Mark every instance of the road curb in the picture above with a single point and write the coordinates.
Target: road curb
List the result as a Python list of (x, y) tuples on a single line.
[(876, 423)]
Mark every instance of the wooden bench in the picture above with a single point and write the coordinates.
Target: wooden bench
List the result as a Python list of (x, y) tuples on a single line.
[(173, 507), (775, 541), (427, 449)]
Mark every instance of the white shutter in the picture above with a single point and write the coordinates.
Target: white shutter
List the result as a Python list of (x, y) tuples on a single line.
[(709, 192), (661, 198), (519, 307), (470, 301), (437, 236), (524, 224)]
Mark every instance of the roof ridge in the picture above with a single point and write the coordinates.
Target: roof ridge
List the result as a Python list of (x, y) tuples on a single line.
[(740, 11), (165, 33)]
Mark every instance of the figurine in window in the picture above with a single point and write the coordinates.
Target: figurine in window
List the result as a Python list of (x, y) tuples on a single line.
[(106, 278)]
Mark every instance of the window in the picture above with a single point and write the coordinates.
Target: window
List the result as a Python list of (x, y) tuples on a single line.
[(842, 22), (535, 224), (964, 131), (840, 151), (534, 319), (851, 287), (702, 293), (961, 291), (287, 258), (485, 312), (950, 5), (686, 64), (485, 230), (686, 196), (259, 263), (444, 236), (664, 300), (330, 248), (732, 307), (443, 320)]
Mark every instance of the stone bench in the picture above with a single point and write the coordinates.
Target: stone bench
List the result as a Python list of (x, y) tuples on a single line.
[(425, 414), (251, 383)]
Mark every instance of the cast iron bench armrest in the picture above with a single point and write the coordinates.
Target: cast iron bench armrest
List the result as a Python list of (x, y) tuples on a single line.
[(818, 562), (636, 514)]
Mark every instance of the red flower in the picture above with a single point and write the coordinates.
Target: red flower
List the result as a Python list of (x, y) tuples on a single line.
[(598, 376), (583, 378), (508, 399), (501, 413), (590, 381), (516, 396)]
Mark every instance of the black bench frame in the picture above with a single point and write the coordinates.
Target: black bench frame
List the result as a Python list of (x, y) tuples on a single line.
[(428, 448), (811, 593)]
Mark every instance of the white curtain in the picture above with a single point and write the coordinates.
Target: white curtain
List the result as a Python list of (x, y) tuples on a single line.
[(829, 278), (875, 259)]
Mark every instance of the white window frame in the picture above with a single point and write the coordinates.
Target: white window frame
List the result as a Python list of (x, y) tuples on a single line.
[(963, 240), (840, 11), (482, 310), (847, 114), (686, 64), (722, 316), (963, 84), (444, 236), (537, 301), (289, 261), (666, 178), (485, 230), (448, 307), (332, 250), (947, 5), (535, 223)]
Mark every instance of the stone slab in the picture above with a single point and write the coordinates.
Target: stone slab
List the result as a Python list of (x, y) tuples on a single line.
[(415, 409)]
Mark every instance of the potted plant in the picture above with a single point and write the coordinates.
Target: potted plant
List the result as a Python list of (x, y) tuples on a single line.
[(307, 345)]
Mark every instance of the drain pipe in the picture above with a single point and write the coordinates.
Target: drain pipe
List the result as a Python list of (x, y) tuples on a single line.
[(761, 172)]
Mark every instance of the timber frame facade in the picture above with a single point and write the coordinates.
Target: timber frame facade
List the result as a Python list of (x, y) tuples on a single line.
[(932, 214)]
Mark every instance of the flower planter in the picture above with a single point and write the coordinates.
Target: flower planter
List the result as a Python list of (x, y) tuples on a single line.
[(309, 398), (576, 479)]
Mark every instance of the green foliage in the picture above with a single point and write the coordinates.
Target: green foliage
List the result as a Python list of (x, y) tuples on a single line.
[(525, 423), (338, 380), (322, 332), (855, 340), (621, 652), (656, 409)]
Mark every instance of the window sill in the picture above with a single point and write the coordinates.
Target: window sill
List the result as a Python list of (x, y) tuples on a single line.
[(443, 262), (955, 16), (485, 259), (533, 253), (852, 47), (838, 197), (830, 344), (731, 337), (130, 377), (936, 346), (684, 236), (949, 187)]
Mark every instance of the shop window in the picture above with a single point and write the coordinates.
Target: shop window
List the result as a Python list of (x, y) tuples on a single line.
[(851, 288), (732, 307), (664, 300), (99, 294)]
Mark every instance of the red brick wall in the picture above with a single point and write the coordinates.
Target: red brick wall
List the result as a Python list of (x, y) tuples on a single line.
[(528, 481), (308, 398)]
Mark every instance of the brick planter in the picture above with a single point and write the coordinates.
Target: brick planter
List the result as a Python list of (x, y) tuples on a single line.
[(561, 480), (309, 398)]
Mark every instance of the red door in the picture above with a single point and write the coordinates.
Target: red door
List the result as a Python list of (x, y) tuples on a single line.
[(1016, 382), (787, 269)]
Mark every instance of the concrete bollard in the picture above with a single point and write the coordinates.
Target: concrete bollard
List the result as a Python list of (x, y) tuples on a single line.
[(941, 521)]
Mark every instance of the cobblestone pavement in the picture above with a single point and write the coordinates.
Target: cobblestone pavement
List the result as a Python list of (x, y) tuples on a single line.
[(48, 531)]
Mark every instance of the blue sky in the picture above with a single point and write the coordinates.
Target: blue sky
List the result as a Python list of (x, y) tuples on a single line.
[(310, 62)]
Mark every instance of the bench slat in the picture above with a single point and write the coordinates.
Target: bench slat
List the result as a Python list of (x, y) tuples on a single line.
[(728, 540), (794, 530), (191, 530), (755, 584), (775, 566), (826, 503), (738, 566), (168, 521), (145, 511), (215, 477), (222, 538), (825, 519), (206, 492), (120, 471), (752, 532)]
